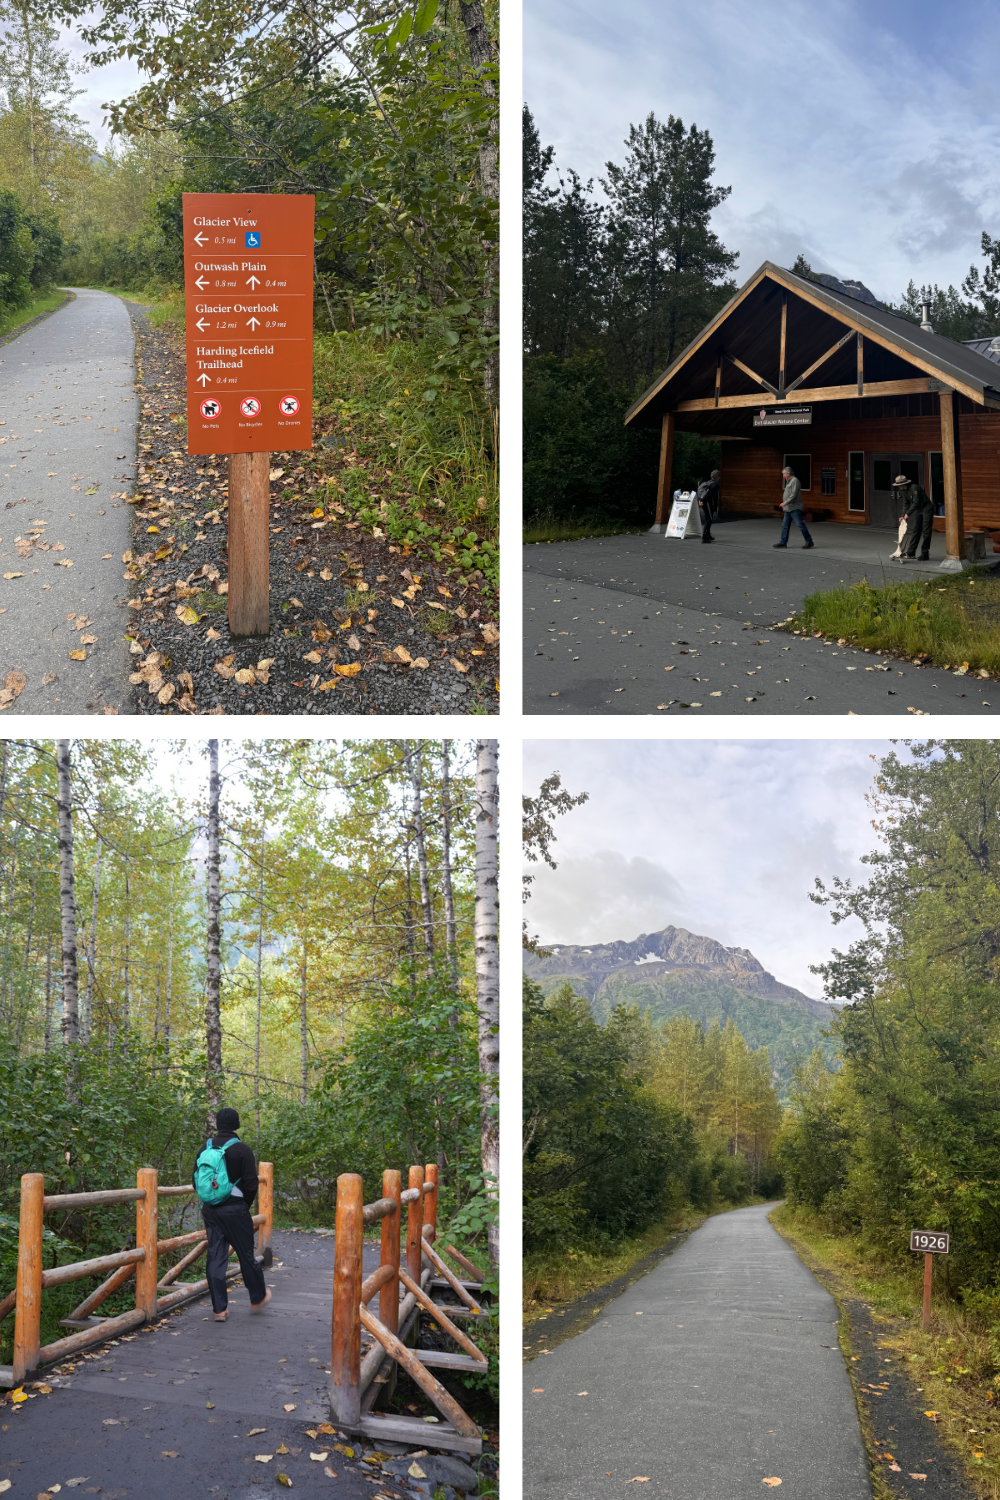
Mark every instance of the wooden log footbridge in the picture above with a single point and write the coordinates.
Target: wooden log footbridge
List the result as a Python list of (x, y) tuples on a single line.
[(405, 1281), (409, 1278), (154, 1295)]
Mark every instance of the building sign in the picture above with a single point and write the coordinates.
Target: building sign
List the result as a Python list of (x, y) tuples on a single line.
[(248, 299), (783, 416)]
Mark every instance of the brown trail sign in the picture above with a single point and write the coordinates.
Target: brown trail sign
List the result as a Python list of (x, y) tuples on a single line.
[(248, 303), (932, 1242)]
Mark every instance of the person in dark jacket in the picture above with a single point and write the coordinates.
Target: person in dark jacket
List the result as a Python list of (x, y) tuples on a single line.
[(229, 1224), (918, 508), (708, 501)]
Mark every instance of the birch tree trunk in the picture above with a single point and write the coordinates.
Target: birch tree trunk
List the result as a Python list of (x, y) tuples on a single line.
[(260, 966), (426, 909), (446, 886), (88, 1005), (488, 968), (213, 1019), (67, 896), (305, 1024), (126, 996), (48, 994), (170, 972)]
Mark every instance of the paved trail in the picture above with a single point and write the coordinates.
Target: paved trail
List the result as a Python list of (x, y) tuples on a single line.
[(717, 1370), (166, 1415), (68, 381), (605, 616)]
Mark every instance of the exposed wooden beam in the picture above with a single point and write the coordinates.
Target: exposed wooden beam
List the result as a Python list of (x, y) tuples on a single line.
[(954, 519), (784, 330), (861, 364), (718, 376), (817, 362), (752, 373), (666, 466), (914, 387)]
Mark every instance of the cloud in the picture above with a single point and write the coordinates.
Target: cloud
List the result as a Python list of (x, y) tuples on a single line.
[(604, 896)]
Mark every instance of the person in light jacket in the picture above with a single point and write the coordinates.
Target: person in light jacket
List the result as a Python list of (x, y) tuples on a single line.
[(791, 504)]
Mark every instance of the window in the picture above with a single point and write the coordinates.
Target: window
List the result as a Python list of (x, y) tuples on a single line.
[(801, 466), (882, 474), (855, 481), (828, 480)]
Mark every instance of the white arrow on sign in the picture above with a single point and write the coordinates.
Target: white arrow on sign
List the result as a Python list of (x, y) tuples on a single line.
[(205, 379), (253, 322), (202, 282), (203, 323), (254, 281), (200, 239)]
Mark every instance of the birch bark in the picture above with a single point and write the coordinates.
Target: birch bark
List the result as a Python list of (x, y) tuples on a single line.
[(213, 1019), (67, 896), (488, 967)]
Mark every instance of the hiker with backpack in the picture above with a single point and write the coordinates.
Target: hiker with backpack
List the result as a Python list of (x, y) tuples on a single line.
[(225, 1180), (708, 503)]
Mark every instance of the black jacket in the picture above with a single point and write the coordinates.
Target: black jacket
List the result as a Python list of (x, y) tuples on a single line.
[(241, 1164), (916, 500)]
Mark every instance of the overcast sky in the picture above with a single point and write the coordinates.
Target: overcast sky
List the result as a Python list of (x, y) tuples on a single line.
[(723, 837), (860, 132), (100, 86)]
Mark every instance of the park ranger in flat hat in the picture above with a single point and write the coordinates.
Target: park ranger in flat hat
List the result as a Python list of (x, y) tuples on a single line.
[(918, 510)]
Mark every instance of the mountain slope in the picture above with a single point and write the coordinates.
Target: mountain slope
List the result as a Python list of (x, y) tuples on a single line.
[(676, 972)]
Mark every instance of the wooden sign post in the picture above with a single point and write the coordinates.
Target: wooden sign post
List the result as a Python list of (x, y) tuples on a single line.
[(932, 1242), (248, 303)]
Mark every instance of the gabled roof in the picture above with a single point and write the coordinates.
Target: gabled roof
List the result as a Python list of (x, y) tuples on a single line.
[(989, 348), (960, 366)]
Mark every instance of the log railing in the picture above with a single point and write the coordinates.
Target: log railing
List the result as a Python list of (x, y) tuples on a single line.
[(401, 1281), (140, 1262)]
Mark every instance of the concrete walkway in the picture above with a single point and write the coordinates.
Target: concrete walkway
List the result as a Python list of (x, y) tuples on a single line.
[(649, 625), (718, 1370), (68, 381)]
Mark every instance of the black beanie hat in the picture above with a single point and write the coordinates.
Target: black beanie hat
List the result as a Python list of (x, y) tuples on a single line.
[(227, 1119)]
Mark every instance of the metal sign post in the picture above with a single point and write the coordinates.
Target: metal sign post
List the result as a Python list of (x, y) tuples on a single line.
[(932, 1242), (248, 302)]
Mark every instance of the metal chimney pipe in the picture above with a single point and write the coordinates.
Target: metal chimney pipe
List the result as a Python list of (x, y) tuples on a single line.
[(925, 318)]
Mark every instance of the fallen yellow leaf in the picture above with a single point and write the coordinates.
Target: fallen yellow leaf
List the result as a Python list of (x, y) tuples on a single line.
[(311, 1432), (13, 575), (325, 1428), (169, 1453), (397, 602), (186, 614), (246, 676), (326, 575), (314, 656), (78, 656), (262, 1458), (326, 687), (282, 1449), (88, 640), (284, 1479), (320, 1458), (458, 665), (401, 654), (296, 602), (771, 1482), (166, 693), (289, 1406), (256, 1431), (350, 670), (420, 661)]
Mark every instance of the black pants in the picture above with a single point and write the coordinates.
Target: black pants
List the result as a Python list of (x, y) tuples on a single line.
[(230, 1227), (705, 514), (918, 528)]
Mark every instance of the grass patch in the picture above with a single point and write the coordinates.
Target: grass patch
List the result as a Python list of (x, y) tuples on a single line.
[(549, 527), (565, 1274), (956, 1362), (17, 316), (948, 621)]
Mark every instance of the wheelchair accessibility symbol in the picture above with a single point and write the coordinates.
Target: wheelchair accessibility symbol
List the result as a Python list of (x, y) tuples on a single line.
[(289, 405), (252, 239), (210, 409), (250, 407)]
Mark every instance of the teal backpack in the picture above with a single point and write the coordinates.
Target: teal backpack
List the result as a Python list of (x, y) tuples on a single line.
[(211, 1180)]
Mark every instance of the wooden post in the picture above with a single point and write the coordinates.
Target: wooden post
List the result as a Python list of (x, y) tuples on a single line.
[(861, 364), (431, 1202), (265, 1200), (345, 1349), (249, 500), (415, 1225), (954, 518), (28, 1309), (146, 1237), (666, 469), (928, 1273), (781, 352), (718, 375), (388, 1297)]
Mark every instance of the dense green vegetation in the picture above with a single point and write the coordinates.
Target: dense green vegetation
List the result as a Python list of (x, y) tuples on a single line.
[(789, 1032), (341, 1014), (905, 1135)]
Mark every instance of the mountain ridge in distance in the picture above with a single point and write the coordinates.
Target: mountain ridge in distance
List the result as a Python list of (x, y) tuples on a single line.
[(674, 972)]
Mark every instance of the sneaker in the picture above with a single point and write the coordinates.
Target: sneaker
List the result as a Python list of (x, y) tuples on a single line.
[(708, 538), (807, 545), (782, 545)]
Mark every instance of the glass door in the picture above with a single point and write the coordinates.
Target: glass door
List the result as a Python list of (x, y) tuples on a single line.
[(884, 507)]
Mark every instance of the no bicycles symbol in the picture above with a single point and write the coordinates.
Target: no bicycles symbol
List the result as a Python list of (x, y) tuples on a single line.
[(250, 406)]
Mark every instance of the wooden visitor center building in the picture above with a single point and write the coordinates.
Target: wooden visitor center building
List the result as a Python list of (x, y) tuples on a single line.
[(848, 395)]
